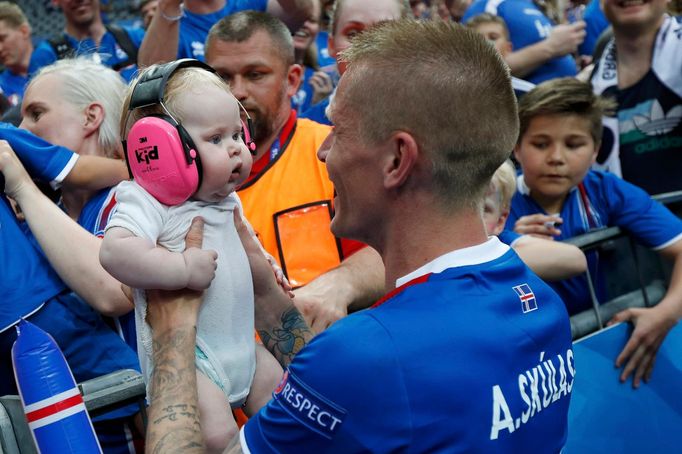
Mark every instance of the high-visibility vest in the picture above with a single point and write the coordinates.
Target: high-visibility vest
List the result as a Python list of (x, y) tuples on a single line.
[(289, 206)]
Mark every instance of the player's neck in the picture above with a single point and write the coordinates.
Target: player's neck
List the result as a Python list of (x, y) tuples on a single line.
[(264, 146), (21, 68), (415, 240), (551, 204), (94, 31), (634, 51)]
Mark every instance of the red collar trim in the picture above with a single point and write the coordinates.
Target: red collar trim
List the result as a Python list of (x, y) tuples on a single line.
[(397, 290), (283, 140)]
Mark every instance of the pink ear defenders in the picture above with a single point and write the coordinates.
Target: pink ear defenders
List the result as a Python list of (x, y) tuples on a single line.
[(159, 152)]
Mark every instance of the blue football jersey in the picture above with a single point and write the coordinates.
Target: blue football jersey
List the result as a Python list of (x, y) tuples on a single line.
[(472, 354), (609, 201), (27, 279), (194, 27), (527, 25)]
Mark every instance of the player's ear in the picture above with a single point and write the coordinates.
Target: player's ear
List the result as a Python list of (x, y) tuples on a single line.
[(401, 158)]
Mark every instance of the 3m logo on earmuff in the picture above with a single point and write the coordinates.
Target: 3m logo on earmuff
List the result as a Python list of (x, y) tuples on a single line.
[(147, 155)]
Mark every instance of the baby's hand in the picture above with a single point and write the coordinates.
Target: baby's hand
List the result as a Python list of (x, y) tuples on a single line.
[(201, 265), (540, 225)]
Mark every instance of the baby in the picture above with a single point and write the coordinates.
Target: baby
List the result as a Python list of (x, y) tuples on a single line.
[(144, 241)]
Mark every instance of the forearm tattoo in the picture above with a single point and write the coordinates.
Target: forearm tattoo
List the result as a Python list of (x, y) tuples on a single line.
[(173, 415), (287, 339)]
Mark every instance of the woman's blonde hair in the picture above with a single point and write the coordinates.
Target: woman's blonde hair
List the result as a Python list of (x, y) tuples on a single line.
[(83, 82)]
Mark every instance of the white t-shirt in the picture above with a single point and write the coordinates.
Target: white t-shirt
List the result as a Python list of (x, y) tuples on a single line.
[(225, 331)]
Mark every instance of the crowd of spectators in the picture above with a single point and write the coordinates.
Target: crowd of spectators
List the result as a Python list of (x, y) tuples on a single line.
[(373, 161)]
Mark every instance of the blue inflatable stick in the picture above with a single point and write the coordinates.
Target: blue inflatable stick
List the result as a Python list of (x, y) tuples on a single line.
[(52, 402)]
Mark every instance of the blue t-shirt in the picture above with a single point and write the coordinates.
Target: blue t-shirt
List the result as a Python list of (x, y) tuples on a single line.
[(527, 25), (14, 85), (194, 27), (27, 279), (323, 57), (610, 201), (301, 101), (595, 24), (472, 356), (109, 53), (318, 112), (508, 236), (94, 217)]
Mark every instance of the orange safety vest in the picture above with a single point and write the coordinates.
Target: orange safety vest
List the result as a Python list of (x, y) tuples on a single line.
[(289, 206)]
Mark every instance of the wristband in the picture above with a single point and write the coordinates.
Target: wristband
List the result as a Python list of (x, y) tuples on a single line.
[(173, 18)]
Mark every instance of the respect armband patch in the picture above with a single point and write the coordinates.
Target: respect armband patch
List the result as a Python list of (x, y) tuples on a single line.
[(308, 407)]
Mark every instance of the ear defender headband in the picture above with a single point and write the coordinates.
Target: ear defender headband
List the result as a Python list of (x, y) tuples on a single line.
[(160, 154)]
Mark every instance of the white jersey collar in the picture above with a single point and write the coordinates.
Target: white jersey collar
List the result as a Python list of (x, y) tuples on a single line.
[(474, 255)]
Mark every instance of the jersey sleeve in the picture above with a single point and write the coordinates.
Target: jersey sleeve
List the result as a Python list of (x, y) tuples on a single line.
[(136, 35), (508, 237), (632, 209), (258, 5), (137, 211), (42, 160), (343, 393)]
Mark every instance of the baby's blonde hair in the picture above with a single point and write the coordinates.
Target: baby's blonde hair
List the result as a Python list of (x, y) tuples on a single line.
[(504, 183), (182, 81)]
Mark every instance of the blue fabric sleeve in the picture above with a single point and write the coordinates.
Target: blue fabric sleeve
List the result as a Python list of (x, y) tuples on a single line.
[(136, 35), (508, 236), (474, 9), (41, 159), (258, 5), (323, 400), (632, 209)]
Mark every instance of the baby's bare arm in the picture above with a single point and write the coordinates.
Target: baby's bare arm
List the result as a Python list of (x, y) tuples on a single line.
[(139, 263)]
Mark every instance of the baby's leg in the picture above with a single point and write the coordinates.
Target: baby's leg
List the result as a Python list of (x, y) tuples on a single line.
[(265, 380), (217, 424)]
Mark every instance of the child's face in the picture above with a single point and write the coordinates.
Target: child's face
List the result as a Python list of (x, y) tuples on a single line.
[(497, 35), (494, 216), (555, 153), (211, 117)]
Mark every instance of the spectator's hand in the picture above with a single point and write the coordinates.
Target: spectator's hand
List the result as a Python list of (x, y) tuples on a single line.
[(565, 38), (201, 265), (168, 308), (322, 86), (15, 175), (639, 354), (319, 308), (539, 225)]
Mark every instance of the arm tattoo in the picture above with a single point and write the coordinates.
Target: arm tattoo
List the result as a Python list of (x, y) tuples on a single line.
[(173, 415), (287, 339)]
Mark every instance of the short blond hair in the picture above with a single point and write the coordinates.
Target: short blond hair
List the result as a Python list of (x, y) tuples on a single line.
[(181, 81), (12, 15), (83, 81), (447, 87), (504, 183), (487, 18), (565, 96)]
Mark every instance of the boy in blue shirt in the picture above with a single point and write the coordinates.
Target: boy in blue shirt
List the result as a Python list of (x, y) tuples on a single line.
[(559, 197)]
